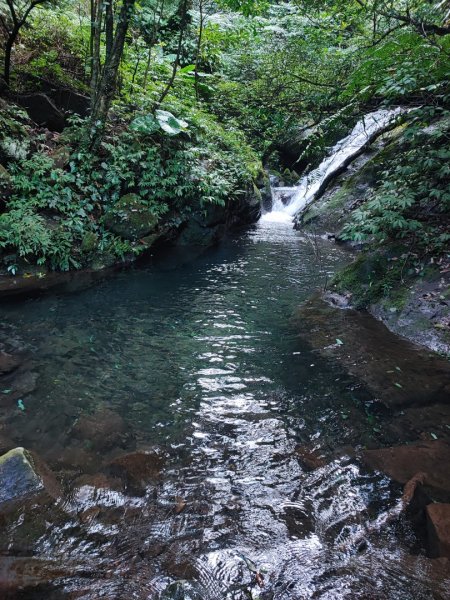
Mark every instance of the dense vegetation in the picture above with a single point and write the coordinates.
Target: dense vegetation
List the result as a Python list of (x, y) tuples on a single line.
[(185, 99)]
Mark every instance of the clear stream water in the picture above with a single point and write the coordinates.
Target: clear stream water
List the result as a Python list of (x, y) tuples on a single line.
[(202, 360)]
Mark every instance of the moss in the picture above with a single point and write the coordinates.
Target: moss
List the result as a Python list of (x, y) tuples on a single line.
[(89, 243), (371, 277), (131, 218)]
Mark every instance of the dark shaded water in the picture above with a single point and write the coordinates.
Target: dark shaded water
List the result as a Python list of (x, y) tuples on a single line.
[(201, 360)]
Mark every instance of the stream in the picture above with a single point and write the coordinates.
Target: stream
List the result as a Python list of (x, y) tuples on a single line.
[(199, 364)]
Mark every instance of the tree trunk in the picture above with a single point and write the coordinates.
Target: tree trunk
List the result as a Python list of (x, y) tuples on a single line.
[(183, 23), (106, 85), (7, 61), (199, 48)]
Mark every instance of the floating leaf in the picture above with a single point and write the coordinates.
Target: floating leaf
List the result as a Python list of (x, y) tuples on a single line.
[(339, 342), (398, 385), (434, 436)]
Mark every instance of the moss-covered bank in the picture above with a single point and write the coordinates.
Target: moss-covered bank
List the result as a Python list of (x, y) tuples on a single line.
[(402, 273)]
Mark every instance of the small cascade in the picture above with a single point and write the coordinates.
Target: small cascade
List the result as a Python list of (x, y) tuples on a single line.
[(289, 201)]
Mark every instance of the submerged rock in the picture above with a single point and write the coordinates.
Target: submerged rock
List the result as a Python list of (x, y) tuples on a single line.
[(104, 429), (396, 371), (438, 527), (309, 458), (137, 469), (8, 362), (23, 474)]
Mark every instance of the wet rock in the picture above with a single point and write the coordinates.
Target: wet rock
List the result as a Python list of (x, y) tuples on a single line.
[(245, 211), (196, 233), (26, 576), (138, 469), (104, 429), (131, 218), (402, 463), (8, 362), (24, 474), (397, 372), (438, 527), (423, 315), (99, 481)]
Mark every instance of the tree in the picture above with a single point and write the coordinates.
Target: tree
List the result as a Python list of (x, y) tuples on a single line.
[(12, 21), (104, 76)]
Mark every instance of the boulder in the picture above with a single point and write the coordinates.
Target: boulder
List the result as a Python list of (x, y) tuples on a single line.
[(22, 475), (245, 210), (42, 111), (438, 527), (131, 218), (196, 233), (402, 463), (70, 101), (138, 469), (104, 429)]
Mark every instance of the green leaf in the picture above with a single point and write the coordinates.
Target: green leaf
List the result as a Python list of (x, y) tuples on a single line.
[(169, 123)]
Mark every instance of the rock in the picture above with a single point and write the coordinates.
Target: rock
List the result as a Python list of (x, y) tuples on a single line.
[(6, 188), (195, 233), (131, 218), (89, 242), (60, 157), (69, 101), (438, 527), (8, 363), (17, 385), (75, 458), (6, 443), (309, 458), (24, 474), (137, 469), (104, 429), (42, 111), (244, 211), (397, 372), (402, 463)]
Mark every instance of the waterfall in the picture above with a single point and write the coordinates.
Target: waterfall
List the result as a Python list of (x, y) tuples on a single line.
[(289, 201)]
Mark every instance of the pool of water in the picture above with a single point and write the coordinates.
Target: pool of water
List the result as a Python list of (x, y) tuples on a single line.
[(201, 361)]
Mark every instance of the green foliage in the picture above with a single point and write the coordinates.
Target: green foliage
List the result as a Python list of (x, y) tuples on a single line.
[(412, 201), (262, 77)]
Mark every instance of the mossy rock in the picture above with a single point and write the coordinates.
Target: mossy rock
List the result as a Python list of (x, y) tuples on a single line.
[(131, 218), (89, 243), (5, 177)]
